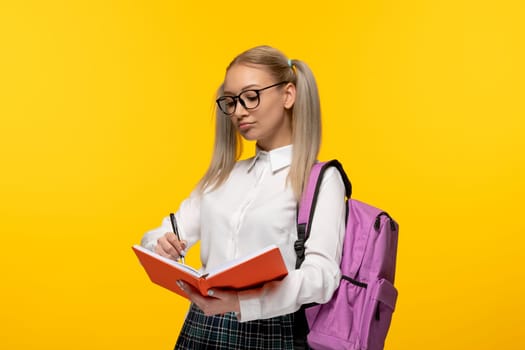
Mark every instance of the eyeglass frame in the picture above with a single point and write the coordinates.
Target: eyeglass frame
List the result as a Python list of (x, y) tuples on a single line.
[(239, 99)]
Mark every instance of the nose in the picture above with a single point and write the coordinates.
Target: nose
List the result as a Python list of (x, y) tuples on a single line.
[(240, 109)]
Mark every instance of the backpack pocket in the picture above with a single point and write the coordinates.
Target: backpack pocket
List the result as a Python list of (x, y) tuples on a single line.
[(336, 324), (377, 314)]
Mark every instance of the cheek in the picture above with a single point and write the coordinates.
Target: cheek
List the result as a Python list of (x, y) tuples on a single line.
[(273, 113), (277, 118)]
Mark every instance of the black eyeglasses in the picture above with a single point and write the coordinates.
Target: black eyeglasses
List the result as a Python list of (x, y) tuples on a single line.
[(249, 99)]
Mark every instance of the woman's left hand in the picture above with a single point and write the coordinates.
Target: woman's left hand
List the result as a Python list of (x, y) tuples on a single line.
[(218, 301)]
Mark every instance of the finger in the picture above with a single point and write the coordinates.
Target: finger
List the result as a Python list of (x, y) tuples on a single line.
[(221, 294), (211, 305), (193, 294), (216, 293), (182, 286), (184, 245), (178, 245), (160, 250), (166, 248), (224, 300)]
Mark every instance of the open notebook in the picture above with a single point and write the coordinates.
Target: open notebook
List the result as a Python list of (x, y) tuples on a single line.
[(246, 272)]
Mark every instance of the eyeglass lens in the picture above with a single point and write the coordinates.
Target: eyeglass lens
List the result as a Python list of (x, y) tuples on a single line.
[(249, 99)]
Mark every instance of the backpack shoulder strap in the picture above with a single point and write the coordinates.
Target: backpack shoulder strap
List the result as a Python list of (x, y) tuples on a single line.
[(308, 202)]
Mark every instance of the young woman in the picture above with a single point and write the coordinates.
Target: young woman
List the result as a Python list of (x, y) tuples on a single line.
[(242, 206)]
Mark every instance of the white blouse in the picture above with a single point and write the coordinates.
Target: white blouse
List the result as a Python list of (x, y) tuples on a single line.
[(255, 208)]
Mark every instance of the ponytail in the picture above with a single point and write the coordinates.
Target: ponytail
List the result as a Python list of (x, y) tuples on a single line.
[(306, 127)]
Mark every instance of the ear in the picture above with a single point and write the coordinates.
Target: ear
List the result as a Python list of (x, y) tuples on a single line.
[(289, 95)]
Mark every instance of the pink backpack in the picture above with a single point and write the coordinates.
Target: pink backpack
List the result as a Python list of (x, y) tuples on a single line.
[(358, 315)]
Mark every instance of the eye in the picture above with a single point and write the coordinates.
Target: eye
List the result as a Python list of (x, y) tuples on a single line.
[(250, 96)]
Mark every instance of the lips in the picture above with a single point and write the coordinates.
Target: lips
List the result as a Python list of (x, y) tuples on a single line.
[(245, 126)]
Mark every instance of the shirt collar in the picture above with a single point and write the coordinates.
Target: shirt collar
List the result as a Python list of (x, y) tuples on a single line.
[(279, 158)]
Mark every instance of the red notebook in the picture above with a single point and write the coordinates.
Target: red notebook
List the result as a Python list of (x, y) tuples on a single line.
[(247, 272)]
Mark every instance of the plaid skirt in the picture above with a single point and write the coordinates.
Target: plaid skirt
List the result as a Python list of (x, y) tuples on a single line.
[(225, 332)]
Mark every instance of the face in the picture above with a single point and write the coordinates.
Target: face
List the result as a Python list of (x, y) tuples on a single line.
[(270, 122)]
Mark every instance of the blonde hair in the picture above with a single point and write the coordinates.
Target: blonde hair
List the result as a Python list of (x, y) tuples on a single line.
[(306, 121)]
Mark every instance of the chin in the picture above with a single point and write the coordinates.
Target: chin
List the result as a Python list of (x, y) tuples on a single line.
[(249, 136)]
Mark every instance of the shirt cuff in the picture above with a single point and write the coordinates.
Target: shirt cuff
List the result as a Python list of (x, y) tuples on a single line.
[(149, 244), (250, 305)]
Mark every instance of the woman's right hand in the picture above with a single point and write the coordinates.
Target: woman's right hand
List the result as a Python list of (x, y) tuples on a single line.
[(170, 247)]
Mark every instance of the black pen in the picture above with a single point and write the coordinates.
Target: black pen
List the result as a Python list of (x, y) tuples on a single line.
[(176, 231)]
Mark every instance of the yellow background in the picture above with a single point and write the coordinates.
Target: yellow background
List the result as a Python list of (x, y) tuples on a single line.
[(106, 125)]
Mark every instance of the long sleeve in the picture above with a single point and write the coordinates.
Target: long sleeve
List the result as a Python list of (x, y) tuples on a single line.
[(254, 208), (188, 222), (319, 274)]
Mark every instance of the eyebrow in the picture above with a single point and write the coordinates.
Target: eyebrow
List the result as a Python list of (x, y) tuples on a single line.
[(244, 88)]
